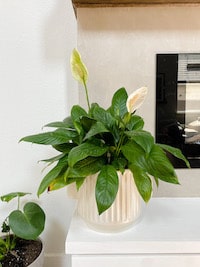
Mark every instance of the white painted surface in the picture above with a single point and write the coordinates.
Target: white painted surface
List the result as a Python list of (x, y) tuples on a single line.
[(137, 261), (168, 235), (119, 46)]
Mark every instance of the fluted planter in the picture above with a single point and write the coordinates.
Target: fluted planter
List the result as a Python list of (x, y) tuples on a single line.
[(126, 210)]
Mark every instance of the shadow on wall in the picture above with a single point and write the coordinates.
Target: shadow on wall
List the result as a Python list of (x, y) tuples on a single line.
[(56, 33), (58, 36)]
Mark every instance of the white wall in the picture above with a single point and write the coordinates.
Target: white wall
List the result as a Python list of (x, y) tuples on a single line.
[(119, 47), (36, 40)]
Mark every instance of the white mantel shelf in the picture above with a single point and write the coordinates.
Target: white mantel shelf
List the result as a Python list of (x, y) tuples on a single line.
[(170, 228)]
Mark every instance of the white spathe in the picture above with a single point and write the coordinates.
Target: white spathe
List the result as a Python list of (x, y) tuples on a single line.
[(136, 99)]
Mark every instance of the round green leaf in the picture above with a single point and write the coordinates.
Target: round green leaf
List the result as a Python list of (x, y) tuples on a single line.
[(27, 224)]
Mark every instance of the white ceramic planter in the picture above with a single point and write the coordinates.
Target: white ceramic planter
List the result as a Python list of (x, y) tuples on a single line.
[(39, 261), (126, 210)]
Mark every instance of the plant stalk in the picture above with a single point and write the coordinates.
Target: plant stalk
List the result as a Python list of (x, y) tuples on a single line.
[(87, 96)]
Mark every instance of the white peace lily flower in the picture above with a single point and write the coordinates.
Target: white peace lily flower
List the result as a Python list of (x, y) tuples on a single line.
[(136, 99), (78, 68)]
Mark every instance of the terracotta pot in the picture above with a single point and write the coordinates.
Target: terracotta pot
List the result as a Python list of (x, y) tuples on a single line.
[(126, 210)]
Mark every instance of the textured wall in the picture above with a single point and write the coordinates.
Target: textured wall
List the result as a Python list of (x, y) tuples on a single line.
[(119, 47), (36, 40)]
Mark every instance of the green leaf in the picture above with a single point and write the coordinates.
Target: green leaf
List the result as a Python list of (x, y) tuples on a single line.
[(143, 138), (159, 166), (57, 137), (156, 181), (5, 228), (134, 154), (175, 152), (68, 121), (106, 188), (79, 182), (65, 148), (120, 164), (10, 196), (118, 107), (58, 183), (83, 151), (87, 122), (77, 112), (52, 174), (54, 159), (96, 128), (28, 224), (142, 181), (86, 167), (103, 116), (60, 124), (135, 123)]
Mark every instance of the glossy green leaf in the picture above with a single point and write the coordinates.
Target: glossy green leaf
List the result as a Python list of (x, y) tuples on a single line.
[(86, 167), (103, 116), (27, 224), (87, 122), (106, 188), (83, 151), (134, 154), (135, 123), (77, 113), (57, 137), (68, 121), (65, 148), (58, 183), (142, 181), (52, 175), (118, 106), (159, 166), (54, 159), (143, 138), (120, 164), (175, 152), (96, 128), (60, 124)]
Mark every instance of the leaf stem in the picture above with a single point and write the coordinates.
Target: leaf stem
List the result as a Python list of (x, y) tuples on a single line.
[(86, 92), (121, 140), (18, 202)]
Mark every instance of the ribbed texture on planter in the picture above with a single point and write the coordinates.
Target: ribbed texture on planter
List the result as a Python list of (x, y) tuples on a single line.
[(125, 211)]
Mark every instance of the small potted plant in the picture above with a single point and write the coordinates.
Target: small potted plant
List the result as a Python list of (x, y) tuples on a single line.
[(19, 244), (99, 149)]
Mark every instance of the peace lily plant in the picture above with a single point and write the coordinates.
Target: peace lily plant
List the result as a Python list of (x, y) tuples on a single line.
[(105, 141)]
